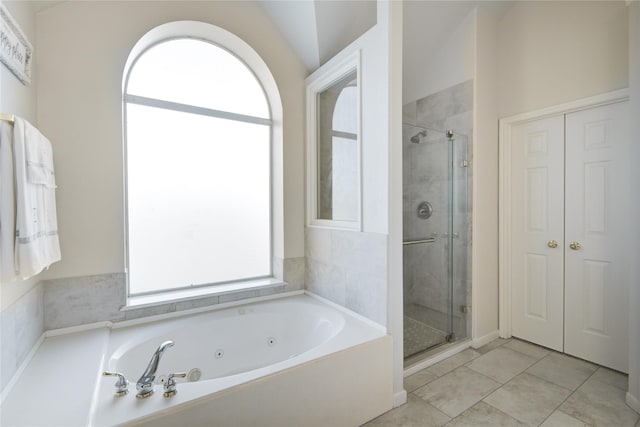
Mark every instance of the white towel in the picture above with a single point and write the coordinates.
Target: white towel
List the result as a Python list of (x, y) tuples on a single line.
[(7, 205), (36, 245)]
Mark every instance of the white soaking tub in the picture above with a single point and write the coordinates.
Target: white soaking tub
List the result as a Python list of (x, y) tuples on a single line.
[(290, 361)]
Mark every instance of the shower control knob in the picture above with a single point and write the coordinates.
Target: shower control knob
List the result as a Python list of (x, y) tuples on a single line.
[(552, 244), (425, 210)]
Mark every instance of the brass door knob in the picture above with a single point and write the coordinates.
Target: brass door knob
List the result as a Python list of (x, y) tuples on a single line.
[(574, 245), (552, 244)]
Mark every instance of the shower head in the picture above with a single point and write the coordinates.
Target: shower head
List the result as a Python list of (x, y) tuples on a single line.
[(417, 138)]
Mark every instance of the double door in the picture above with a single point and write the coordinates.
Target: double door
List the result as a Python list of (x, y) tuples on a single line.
[(570, 211)]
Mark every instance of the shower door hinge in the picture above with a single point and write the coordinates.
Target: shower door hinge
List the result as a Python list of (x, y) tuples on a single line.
[(465, 163)]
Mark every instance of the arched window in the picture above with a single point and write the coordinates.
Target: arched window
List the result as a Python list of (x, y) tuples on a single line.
[(198, 167)]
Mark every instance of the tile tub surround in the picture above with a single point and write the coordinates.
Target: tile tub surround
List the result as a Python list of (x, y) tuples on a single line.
[(291, 271), (61, 303), (542, 388), (21, 328), (349, 269), (88, 299), (425, 179)]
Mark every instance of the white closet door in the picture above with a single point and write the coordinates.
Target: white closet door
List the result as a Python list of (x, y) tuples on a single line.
[(597, 214), (537, 238)]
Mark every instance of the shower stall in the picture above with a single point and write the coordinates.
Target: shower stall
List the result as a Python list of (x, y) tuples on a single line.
[(436, 238)]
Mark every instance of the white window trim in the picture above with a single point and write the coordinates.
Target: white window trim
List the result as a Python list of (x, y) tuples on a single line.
[(319, 81), (245, 53)]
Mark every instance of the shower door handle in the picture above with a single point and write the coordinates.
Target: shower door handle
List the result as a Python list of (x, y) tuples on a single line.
[(417, 242), (552, 244)]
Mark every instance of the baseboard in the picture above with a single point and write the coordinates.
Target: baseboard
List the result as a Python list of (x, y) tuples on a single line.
[(399, 398), (484, 340), (633, 402)]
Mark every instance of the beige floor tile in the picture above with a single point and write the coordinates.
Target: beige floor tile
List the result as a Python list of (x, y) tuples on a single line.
[(418, 379), (527, 348), (560, 419), (600, 404), (502, 364), (457, 391), (493, 344), (563, 370), (612, 377), (416, 413), (484, 415), (528, 398), (453, 362)]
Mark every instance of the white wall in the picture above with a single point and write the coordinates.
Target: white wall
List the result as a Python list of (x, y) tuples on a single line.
[(374, 124), (537, 54), (350, 267), (485, 181), (534, 55), (555, 52), (83, 47), (378, 249), (18, 99), (633, 396), (392, 15), (429, 71)]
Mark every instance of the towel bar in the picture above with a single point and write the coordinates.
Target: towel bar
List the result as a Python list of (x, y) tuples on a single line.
[(7, 117)]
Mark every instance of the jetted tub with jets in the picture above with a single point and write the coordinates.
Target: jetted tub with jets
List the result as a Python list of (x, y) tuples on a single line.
[(295, 360)]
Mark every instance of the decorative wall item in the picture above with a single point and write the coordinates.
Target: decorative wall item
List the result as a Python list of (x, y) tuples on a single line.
[(16, 52)]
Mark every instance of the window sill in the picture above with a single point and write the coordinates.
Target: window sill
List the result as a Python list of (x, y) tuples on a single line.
[(143, 301)]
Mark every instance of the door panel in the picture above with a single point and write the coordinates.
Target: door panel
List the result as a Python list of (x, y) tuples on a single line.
[(596, 272), (537, 220)]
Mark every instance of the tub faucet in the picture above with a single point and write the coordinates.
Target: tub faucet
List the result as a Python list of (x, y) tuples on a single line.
[(145, 383)]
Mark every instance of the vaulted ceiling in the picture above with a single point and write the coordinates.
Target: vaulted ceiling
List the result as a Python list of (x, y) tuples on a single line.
[(318, 29)]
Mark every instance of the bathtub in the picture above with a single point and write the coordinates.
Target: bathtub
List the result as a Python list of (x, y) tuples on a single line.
[(290, 361)]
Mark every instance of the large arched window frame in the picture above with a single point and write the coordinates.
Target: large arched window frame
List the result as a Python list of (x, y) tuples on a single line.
[(191, 30)]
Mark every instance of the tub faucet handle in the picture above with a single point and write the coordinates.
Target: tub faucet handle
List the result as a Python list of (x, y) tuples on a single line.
[(170, 384), (122, 385)]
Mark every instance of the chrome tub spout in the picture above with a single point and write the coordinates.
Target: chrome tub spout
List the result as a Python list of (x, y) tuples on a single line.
[(145, 383)]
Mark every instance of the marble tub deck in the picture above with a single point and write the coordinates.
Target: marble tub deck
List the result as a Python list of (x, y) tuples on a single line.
[(513, 383)]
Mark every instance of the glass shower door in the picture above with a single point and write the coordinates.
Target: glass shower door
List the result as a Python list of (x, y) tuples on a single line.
[(435, 219)]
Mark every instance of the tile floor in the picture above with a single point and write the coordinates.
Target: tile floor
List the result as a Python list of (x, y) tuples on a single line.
[(513, 383)]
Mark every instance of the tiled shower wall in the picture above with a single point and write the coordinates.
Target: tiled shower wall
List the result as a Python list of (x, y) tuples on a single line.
[(425, 179)]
